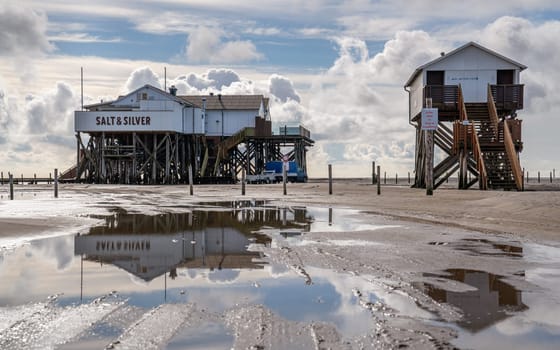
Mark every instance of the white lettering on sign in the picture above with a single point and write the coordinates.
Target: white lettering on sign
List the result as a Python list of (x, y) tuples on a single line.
[(122, 120), (122, 245)]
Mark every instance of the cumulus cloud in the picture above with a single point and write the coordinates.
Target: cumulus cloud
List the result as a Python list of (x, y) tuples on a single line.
[(282, 88), (6, 120), (22, 31), (213, 78), (206, 45), (141, 77), (51, 112), (535, 46)]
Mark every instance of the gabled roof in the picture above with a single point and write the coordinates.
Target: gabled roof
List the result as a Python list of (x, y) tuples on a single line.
[(147, 86), (457, 50), (219, 102)]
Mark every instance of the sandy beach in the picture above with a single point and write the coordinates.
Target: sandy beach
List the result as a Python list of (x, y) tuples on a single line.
[(411, 242)]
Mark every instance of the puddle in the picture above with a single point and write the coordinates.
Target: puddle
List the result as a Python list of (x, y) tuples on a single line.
[(199, 257), (492, 301), (478, 246), (496, 314)]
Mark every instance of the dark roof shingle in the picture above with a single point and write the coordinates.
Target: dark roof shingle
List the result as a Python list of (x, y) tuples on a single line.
[(218, 102)]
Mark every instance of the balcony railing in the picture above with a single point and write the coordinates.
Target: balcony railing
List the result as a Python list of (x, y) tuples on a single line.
[(443, 96), (509, 97)]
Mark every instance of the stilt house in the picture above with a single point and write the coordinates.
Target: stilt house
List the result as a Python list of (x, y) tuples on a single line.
[(477, 93), (151, 136)]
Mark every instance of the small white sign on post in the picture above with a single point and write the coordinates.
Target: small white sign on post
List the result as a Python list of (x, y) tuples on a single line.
[(429, 118), (285, 163)]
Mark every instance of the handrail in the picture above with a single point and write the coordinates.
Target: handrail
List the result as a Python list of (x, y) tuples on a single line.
[(230, 142), (508, 143), (493, 112), (477, 153)]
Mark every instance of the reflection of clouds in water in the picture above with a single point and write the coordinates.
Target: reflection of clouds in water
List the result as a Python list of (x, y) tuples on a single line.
[(60, 249), (223, 276), (137, 280), (343, 220), (515, 326), (192, 273), (277, 270), (542, 312), (347, 310), (540, 253)]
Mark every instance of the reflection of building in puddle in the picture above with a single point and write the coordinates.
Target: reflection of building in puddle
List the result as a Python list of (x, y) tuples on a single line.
[(149, 246), (478, 246), (492, 301), (150, 255)]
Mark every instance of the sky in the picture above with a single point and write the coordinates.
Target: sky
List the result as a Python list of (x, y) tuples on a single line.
[(336, 67)]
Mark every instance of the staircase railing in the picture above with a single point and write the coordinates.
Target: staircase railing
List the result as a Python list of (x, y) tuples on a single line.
[(508, 142), (230, 142), (477, 153)]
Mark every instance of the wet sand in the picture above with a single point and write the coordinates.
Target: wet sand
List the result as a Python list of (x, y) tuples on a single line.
[(532, 214), (423, 236)]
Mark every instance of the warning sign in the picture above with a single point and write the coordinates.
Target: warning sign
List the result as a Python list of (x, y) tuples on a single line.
[(429, 118)]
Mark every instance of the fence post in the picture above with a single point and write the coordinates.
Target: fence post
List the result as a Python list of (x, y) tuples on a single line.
[(242, 182), (378, 180), (284, 179), (330, 178), (191, 191), (55, 183), (11, 186)]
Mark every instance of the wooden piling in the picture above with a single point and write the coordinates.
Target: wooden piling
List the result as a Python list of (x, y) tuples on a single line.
[(190, 180), (378, 180), (34, 179), (330, 178), (429, 162), (330, 216), (523, 180), (384, 177), (539, 177), (409, 177), (11, 180), (55, 183), (551, 177), (373, 173), (22, 179), (396, 178), (243, 182), (284, 178), (2, 178), (50, 178)]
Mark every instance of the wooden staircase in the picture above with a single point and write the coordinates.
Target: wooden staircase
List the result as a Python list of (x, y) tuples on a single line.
[(492, 146)]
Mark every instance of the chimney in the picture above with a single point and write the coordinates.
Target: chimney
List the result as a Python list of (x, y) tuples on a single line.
[(173, 90)]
